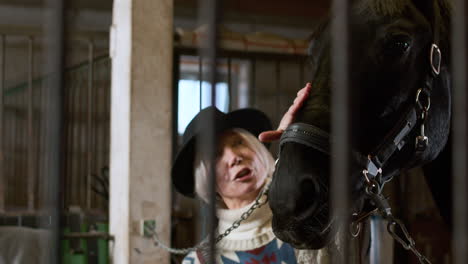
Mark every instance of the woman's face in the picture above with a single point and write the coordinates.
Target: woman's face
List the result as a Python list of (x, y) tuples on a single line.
[(239, 172)]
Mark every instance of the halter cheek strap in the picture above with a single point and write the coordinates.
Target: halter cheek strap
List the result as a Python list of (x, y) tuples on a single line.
[(416, 114)]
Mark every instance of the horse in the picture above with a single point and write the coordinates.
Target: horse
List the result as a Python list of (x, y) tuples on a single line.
[(400, 111)]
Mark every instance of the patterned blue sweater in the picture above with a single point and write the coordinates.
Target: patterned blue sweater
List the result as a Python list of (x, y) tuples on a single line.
[(253, 242)]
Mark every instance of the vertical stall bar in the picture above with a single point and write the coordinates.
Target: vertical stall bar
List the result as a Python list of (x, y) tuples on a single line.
[(459, 142), (278, 91), (96, 162), (44, 148), (31, 142), (82, 138), (66, 139), (252, 87), (89, 123), (340, 125), (229, 81), (175, 102), (81, 148), (73, 122), (210, 15), (70, 124), (301, 71), (54, 37), (2, 151), (200, 78), (175, 109)]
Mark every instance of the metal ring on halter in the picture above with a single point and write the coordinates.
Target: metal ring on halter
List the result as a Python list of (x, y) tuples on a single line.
[(425, 108), (373, 187), (435, 64), (365, 172), (371, 182), (355, 227)]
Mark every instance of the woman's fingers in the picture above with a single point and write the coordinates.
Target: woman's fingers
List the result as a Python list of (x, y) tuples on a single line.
[(269, 136), (288, 117)]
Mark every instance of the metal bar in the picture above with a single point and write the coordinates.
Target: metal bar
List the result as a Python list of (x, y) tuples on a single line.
[(89, 125), (16, 157), (67, 144), (30, 138), (301, 71), (278, 90), (39, 157), (73, 141), (252, 82), (81, 148), (459, 142), (229, 81), (210, 15), (54, 28), (96, 162), (175, 109), (2, 102), (97, 139), (175, 103), (340, 124), (44, 166), (200, 79)]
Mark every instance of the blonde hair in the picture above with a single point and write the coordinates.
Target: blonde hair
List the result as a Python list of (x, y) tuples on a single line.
[(201, 165)]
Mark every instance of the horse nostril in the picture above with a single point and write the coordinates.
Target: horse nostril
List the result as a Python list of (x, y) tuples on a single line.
[(297, 199), (308, 198)]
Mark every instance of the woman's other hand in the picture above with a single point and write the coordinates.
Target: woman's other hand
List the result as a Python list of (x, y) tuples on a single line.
[(289, 116)]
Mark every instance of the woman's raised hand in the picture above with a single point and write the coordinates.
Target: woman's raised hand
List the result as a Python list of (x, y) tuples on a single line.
[(289, 116)]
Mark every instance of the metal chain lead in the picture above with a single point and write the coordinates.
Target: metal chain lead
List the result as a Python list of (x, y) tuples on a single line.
[(245, 215), (374, 191), (178, 251), (204, 244), (410, 244)]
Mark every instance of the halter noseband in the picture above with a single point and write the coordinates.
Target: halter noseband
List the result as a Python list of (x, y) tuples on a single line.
[(308, 135)]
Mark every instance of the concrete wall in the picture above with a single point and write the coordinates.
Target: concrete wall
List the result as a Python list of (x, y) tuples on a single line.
[(141, 51)]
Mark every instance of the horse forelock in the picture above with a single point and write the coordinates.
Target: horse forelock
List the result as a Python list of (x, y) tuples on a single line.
[(375, 9), (379, 8)]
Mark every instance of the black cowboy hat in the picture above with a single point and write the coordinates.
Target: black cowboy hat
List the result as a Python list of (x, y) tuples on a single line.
[(252, 120)]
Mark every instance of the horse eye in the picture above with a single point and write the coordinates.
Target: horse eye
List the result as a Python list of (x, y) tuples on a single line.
[(397, 45)]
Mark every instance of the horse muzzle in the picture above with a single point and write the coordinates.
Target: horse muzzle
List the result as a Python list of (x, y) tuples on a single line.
[(307, 234)]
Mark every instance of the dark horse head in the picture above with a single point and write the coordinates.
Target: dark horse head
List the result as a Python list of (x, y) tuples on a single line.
[(390, 60)]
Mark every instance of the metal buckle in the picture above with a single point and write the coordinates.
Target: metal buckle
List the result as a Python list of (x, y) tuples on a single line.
[(435, 58), (372, 168), (421, 143)]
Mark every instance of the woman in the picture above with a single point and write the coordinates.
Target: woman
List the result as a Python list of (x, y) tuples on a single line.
[(243, 167)]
